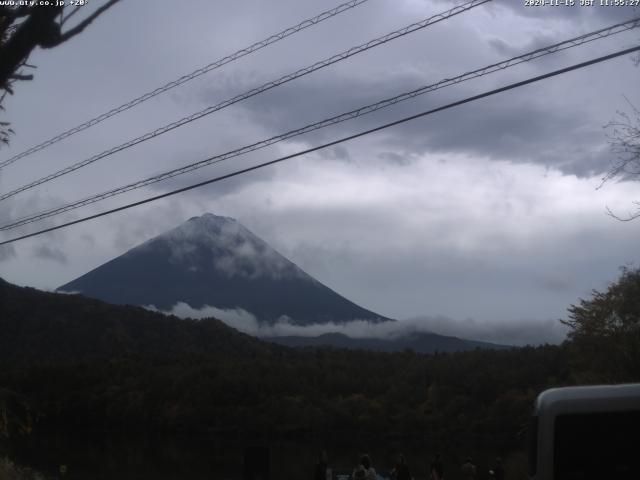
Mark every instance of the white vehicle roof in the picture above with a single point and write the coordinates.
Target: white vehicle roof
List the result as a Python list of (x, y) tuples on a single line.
[(589, 399)]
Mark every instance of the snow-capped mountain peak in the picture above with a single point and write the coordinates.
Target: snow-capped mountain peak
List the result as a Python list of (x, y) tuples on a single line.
[(215, 261)]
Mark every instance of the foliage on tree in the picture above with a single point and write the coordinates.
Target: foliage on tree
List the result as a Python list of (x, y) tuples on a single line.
[(605, 332)]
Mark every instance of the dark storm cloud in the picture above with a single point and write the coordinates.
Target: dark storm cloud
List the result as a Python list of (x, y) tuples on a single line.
[(315, 98), (508, 127), (48, 252), (276, 112), (511, 129), (330, 92)]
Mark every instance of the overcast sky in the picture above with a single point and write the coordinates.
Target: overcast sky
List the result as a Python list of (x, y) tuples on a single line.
[(486, 215)]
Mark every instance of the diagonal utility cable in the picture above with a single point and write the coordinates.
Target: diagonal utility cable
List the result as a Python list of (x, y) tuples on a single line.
[(511, 86), (573, 42), (267, 86), (190, 76)]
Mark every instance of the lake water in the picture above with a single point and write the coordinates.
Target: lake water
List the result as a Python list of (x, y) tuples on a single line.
[(98, 457)]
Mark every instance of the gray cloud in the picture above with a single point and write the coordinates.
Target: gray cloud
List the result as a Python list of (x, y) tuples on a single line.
[(516, 332), (134, 229), (396, 158), (515, 126), (7, 252), (88, 239), (539, 40), (48, 252), (511, 129), (336, 153)]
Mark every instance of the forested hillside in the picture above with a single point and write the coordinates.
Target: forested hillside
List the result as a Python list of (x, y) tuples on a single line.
[(84, 364), (41, 326)]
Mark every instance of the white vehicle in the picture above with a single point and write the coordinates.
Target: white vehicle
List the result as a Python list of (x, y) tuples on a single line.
[(586, 433)]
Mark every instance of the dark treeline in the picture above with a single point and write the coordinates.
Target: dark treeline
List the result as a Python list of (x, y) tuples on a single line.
[(84, 364), (474, 396), (88, 365)]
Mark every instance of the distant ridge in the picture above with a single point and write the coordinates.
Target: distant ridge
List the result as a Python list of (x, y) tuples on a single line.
[(215, 261), (419, 342)]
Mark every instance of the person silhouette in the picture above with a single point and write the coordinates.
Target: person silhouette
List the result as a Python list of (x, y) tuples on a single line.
[(401, 470), (322, 470), (468, 470), (364, 471), (437, 468), (497, 473)]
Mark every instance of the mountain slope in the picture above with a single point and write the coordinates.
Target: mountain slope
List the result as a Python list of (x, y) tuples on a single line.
[(215, 261)]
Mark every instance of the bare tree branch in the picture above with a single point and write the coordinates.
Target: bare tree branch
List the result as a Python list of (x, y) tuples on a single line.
[(71, 14), (623, 137), (20, 76), (84, 24), (24, 28), (630, 216)]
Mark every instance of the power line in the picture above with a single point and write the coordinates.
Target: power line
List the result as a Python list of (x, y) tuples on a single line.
[(335, 142), (564, 45), (267, 86), (186, 78)]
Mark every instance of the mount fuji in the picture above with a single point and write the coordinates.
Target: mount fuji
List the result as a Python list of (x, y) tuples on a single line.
[(215, 261)]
